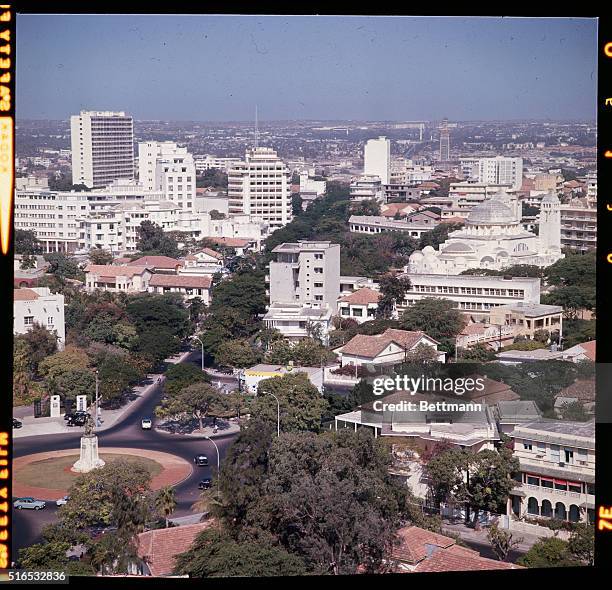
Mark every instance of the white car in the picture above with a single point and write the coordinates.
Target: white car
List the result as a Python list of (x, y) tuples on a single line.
[(62, 501), (146, 423)]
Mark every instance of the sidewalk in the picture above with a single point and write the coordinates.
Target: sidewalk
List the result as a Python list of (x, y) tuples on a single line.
[(469, 535), (39, 426)]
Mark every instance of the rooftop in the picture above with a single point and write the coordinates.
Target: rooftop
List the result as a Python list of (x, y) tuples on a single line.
[(531, 309), (362, 296), (107, 270), (371, 346), (156, 262), (184, 281)]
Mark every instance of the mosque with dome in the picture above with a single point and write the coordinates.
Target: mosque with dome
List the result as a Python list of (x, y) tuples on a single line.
[(493, 237)]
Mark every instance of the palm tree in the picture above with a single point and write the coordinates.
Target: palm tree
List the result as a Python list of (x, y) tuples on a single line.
[(165, 502)]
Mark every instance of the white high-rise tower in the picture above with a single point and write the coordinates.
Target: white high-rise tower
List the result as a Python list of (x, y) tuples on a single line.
[(550, 223), (102, 147), (377, 158)]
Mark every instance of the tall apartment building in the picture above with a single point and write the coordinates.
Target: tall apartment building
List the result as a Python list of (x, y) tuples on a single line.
[(102, 147), (259, 186), (377, 158), (164, 166), (303, 285), (579, 225), (500, 170), (557, 471), (366, 187), (444, 141)]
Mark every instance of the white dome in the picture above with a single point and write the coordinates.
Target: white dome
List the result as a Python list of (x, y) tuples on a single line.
[(491, 212)]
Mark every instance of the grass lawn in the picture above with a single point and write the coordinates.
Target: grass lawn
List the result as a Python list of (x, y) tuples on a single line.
[(55, 473)]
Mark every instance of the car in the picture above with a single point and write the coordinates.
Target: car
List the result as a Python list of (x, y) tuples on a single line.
[(17, 423), (62, 501), (77, 421), (205, 483), (29, 503), (146, 423), (225, 370), (201, 460), (73, 415)]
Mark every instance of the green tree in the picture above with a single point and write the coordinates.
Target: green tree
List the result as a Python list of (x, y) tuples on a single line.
[(301, 404), (393, 290), (215, 554), (549, 552), (180, 375), (44, 556), (63, 267), (237, 353), (100, 256), (199, 400), (438, 235), (581, 543), (438, 318), (39, 344), (153, 240), (501, 541), (165, 502), (26, 242)]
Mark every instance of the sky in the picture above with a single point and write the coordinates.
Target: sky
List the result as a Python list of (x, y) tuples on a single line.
[(217, 68)]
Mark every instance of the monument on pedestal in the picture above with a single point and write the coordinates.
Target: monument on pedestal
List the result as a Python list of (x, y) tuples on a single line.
[(89, 459)]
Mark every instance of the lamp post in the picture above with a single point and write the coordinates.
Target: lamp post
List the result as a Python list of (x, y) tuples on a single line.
[(216, 449), (202, 345), (97, 398), (277, 413)]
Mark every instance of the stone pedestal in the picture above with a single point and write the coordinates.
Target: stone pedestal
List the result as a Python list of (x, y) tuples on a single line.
[(89, 455)]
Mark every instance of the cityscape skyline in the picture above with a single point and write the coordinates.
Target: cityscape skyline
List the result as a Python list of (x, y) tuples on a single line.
[(494, 68)]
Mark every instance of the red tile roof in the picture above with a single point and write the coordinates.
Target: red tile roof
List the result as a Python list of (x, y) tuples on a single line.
[(184, 281), (25, 295), (160, 547), (230, 242), (589, 348), (210, 252), (372, 346), (156, 262), (107, 270), (427, 551), (362, 296)]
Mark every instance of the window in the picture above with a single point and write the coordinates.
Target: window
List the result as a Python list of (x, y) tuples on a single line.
[(318, 270), (569, 456), (318, 285), (555, 453), (527, 445), (28, 320)]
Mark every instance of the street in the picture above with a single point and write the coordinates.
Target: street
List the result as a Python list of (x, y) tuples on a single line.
[(127, 433)]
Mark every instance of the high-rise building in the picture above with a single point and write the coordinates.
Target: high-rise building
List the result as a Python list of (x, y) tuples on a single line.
[(259, 186), (444, 141), (377, 158), (500, 170), (102, 147), (163, 166)]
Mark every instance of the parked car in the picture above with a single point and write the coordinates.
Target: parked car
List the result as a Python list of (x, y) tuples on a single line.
[(29, 503), (62, 501), (205, 483), (17, 423), (77, 414), (225, 370), (78, 420), (146, 423), (201, 460)]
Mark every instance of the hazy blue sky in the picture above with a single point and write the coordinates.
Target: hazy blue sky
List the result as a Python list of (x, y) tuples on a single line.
[(215, 68)]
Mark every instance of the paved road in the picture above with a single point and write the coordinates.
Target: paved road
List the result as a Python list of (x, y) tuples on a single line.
[(127, 433)]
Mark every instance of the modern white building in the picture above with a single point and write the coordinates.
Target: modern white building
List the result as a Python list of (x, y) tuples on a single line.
[(366, 187), (557, 470), (52, 216), (37, 305), (579, 224), (166, 167), (472, 294), (377, 158), (251, 377), (304, 285), (208, 162), (500, 170), (493, 237), (310, 185), (102, 147), (376, 224), (259, 187)]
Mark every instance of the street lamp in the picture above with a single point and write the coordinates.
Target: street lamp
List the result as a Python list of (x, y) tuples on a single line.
[(97, 398), (202, 344), (217, 449), (277, 412)]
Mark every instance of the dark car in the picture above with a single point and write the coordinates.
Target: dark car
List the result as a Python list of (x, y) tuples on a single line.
[(205, 483), (225, 370), (17, 423), (79, 420), (201, 460), (73, 415)]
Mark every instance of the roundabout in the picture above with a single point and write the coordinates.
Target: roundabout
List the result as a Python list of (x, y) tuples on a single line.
[(48, 475)]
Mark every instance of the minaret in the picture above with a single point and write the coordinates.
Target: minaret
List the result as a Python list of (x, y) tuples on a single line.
[(550, 223)]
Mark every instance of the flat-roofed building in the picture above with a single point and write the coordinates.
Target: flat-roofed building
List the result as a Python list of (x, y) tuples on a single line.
[(472, 294), (527, 318), (557, 470), (578, 225), (375, 224)]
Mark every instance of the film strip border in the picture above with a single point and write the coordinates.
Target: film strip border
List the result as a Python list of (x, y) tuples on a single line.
[(7, 167), (603, 435)]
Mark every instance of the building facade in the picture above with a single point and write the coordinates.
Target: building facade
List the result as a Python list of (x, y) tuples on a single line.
[(102, 147), (37, 305), (377, 158), (259, 186)]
